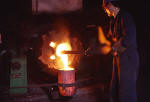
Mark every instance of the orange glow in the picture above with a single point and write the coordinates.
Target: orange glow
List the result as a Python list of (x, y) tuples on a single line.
[(102, 40), (53, 57), (108, 12), (101, 37), (52, 44), (64, 57), (105, 49)]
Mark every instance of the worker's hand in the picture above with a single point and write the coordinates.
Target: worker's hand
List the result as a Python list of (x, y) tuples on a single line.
[(117, 44), (115, 53), (117, 48)]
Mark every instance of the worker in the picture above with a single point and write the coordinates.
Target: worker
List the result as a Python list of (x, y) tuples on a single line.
[(122, 35)]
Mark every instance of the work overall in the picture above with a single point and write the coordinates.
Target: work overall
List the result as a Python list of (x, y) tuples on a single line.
[(126, 63)]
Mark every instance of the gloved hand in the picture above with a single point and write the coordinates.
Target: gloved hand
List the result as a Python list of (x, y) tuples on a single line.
[(117, 48)]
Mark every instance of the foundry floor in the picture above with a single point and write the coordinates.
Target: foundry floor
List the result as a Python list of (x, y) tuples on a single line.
[(90, 93)]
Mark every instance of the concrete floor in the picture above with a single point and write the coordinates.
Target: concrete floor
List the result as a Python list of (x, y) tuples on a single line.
[(90, 93)]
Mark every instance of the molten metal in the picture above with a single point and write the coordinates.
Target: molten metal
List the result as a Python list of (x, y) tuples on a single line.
[(64, 58)]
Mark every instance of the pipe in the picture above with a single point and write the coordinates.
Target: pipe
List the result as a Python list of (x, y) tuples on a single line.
[(74, 52)]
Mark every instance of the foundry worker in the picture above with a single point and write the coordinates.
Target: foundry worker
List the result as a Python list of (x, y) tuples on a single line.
[(122, 35)]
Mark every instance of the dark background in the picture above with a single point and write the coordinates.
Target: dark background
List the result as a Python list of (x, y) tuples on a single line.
[(12, 12)]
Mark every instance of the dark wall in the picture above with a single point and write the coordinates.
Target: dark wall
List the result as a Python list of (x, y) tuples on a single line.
[(15, 8)]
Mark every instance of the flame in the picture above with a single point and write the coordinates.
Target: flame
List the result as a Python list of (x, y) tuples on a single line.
[(64, 57), (59, 35), (102, 40), (52, 44)]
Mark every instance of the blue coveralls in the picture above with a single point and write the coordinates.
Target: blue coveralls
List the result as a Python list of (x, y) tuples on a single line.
[(123, 83)]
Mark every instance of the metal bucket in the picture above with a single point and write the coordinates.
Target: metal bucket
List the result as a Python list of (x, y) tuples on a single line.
[(66, 82)]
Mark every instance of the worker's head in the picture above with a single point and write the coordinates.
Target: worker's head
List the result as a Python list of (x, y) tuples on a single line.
[(111, 7)]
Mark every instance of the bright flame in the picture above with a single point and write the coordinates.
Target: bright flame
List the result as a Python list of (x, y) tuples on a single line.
[(102, 40), (53, 57), (64, 57), (52, 44)]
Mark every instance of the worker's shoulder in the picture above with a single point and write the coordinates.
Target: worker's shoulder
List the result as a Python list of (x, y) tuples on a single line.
[(128, 19), (125, 14)]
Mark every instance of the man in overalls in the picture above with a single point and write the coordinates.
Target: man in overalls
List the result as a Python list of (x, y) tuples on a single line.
[(124, 50)]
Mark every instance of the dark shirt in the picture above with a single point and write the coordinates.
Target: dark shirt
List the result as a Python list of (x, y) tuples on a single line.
[(123, 27)]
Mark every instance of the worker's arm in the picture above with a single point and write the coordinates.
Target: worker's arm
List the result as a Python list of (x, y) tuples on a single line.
[(129, 32), (128, 38)]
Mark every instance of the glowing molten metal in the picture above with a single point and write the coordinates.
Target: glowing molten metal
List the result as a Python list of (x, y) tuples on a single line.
[(64, 57)]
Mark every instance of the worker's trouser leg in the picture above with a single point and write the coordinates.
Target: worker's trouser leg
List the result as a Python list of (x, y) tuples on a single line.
[(128, 86), (126, 90), (114, 91)]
